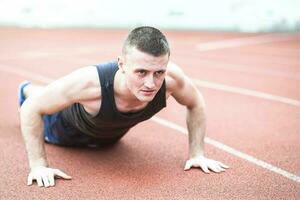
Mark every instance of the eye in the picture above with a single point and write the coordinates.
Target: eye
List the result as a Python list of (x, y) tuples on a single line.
[(159, 73), (141, 72)]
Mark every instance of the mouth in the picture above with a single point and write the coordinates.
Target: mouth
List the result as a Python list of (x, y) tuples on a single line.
[(148, 92)]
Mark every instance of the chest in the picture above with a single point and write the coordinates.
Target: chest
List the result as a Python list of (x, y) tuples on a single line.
[(93, 106)]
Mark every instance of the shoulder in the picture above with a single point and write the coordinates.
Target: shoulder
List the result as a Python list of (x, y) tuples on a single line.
[(182, 88), (175, 78), (81, 84), (88, 81)]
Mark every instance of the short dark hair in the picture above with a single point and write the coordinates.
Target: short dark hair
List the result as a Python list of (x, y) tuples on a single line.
[(148, 40)]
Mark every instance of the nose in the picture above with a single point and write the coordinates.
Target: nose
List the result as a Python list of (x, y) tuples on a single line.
[(149, 82)]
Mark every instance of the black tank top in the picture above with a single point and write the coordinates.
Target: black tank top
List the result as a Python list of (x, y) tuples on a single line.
[(109, 122)]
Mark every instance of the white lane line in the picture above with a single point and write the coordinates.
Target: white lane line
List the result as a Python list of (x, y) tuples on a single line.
[(231, 151), (213, 64), (25, 73), (246, 41), (246, 92), (176, 127)]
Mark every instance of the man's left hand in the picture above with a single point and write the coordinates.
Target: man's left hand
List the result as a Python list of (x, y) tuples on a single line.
[(205, 164)]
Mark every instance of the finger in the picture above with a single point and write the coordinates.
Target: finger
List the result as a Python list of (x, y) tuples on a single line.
[(215, 169), (221, 169), (39, 181), (205, 169), (188, 165), (61, 174), (29, 179), (222, 165), (45, 180), (51, 179)]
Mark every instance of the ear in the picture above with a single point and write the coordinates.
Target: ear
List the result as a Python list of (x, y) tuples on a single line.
[(121, 64)]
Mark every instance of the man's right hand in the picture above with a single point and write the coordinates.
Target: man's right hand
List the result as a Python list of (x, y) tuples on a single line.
[(44, 176)]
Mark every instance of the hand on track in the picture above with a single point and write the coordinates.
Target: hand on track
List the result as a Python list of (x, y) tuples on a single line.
[(45, 176), (205, 164)]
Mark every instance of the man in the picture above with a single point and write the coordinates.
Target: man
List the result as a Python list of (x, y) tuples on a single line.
[(97, 105)]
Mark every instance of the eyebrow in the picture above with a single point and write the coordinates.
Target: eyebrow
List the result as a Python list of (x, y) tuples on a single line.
[(141, 69)]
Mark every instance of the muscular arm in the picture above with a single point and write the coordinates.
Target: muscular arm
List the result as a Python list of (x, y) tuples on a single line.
[(32, 131), (196, 125), (186, 93), (53, 98)]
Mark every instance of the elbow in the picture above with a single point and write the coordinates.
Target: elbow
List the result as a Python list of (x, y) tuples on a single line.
[(198, 104), (197, 111), (29, 111), (24, 110)]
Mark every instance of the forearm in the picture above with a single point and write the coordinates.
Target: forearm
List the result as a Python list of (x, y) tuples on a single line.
[(32, 130), (196, 130)]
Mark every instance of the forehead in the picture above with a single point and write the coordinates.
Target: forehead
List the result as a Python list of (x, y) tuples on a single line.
[(140, 60)]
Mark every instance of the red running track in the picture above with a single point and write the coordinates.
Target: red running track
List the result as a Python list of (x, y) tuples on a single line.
[(148, 162)]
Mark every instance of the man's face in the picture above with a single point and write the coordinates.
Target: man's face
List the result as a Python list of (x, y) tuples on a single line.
[(144, 73)]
